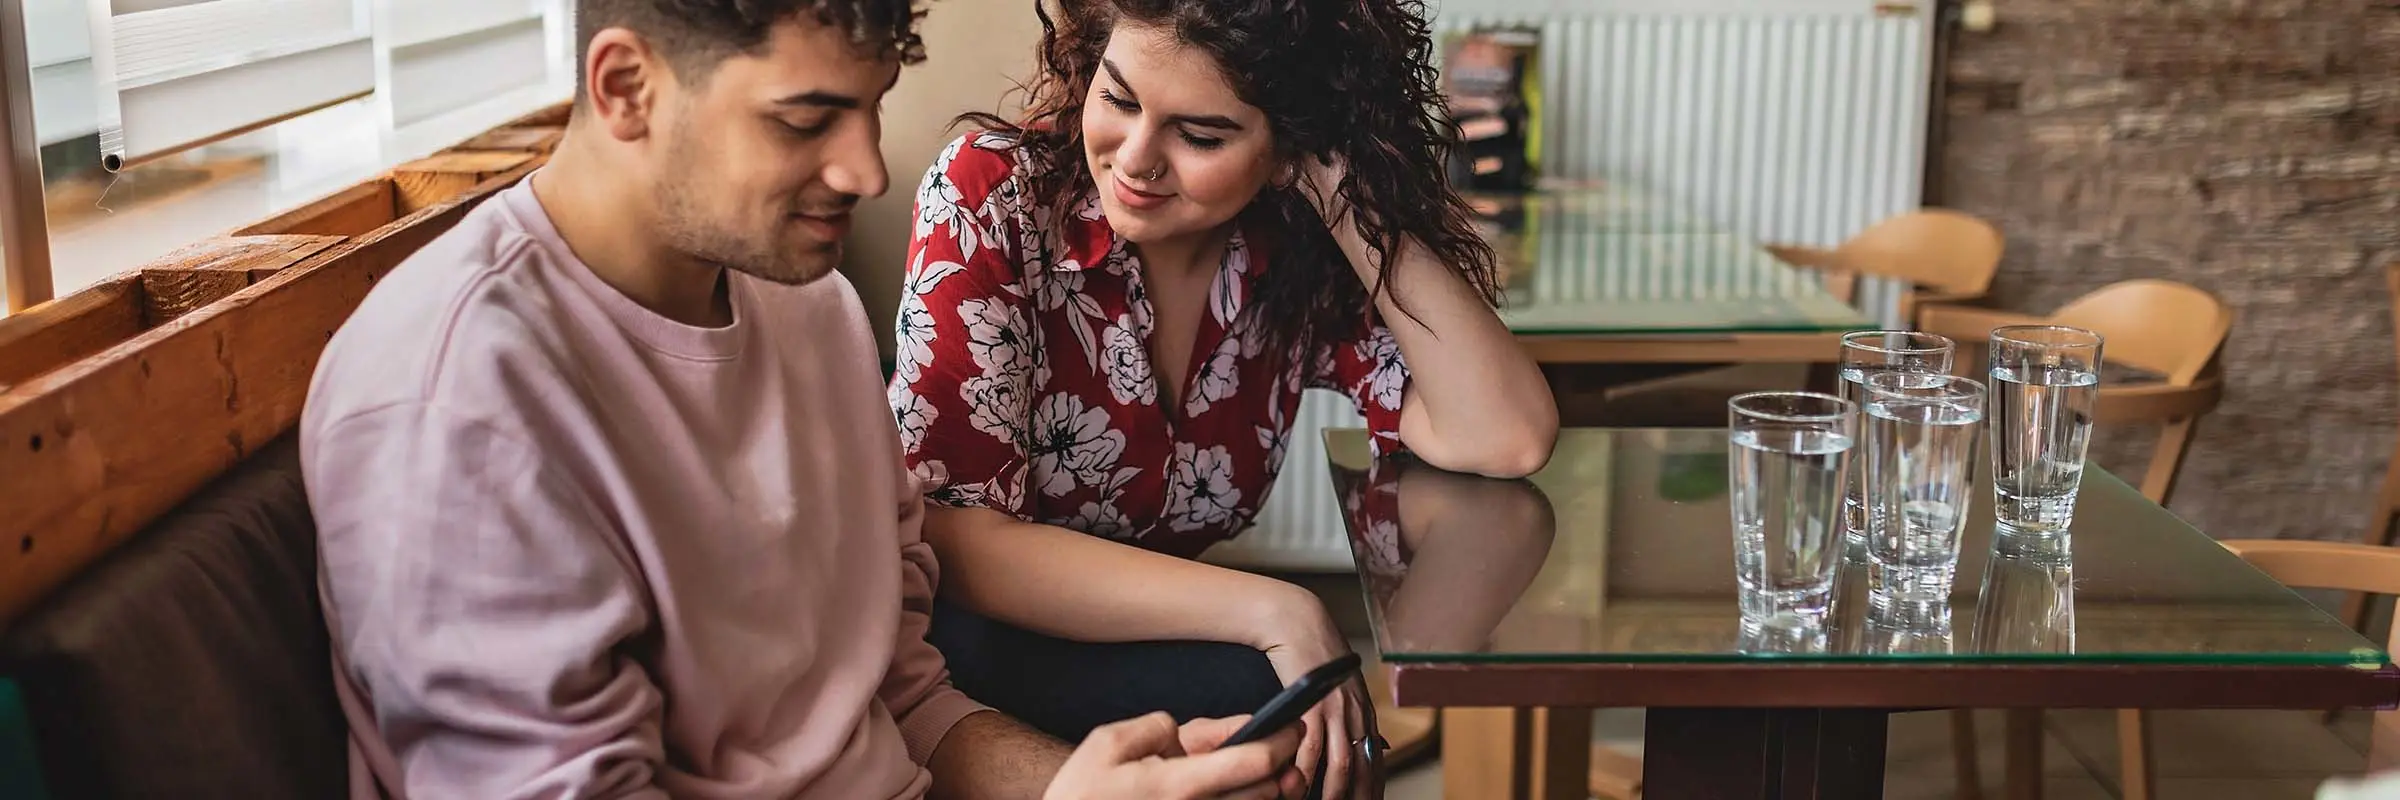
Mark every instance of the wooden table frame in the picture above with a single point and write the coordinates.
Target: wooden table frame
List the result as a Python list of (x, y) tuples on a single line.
[(1784, 730), (1643, 348)]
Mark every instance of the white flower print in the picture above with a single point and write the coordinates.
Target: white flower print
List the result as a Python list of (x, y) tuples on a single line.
[(996, 336), (937, 197), (913, 414), (939, 203), (1275, 436), (995, 141), (997, 405), (1126, 365), (1225, 293), (930, 477), (1071, 445), (913, 327), (1088, 208), (1200, 491), (1005, 490), (1219, 377), (1062, 290), (1387, 377), (1102, 518)]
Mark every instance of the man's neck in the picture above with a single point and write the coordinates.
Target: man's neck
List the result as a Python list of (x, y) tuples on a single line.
[(612, 228)]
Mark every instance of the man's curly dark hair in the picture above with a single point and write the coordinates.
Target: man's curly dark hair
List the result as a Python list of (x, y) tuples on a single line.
[(1348, 78), (695, 35)]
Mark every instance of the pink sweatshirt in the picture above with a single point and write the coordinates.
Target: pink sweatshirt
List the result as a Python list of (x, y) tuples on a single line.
[(575, 549)]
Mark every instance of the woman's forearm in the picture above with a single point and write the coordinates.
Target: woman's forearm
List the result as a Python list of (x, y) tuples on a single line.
[(1476, 402), (1061, 583)]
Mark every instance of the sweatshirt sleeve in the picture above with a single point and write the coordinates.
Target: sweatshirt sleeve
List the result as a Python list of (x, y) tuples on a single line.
[(917, 688), (478, 598)]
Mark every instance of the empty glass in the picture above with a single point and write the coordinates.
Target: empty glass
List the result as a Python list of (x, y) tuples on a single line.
[(1866, 353), (1791, 451), (2045, 384), (1919, 440)]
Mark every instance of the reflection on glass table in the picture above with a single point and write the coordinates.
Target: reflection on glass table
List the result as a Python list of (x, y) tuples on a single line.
[(1621, 552), (1608, 258)]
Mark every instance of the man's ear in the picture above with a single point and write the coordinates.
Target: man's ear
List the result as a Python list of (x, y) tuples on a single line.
[(623, 79)]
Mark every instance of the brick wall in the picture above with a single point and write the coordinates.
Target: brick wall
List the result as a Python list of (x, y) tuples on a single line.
[(2250, 147)]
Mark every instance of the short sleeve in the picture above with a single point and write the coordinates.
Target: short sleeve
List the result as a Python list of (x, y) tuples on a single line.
[(1369, 369), (965, 363)]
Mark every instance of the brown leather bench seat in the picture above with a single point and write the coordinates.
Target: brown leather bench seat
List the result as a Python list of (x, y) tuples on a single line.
[(193, 661)]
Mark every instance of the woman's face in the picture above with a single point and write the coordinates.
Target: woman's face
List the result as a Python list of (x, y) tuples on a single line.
[(1171, 149)]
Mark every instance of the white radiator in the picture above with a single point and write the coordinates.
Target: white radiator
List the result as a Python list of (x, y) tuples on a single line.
[(1792, 121)]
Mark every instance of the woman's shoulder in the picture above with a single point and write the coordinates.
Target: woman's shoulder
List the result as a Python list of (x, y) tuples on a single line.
[(977, 162)]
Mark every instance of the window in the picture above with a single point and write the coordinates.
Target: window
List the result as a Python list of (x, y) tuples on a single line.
[(229, 111)]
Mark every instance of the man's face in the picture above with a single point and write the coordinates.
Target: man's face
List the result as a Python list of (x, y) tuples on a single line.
[(762, 160)]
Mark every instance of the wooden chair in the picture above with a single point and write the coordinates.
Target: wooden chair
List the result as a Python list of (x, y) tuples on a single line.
[(2383, 527), (1938, 256), (2170, 329), (2359, 569)]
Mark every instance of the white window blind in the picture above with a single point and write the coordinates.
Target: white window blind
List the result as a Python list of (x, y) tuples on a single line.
[(179, 73), (443, 55)]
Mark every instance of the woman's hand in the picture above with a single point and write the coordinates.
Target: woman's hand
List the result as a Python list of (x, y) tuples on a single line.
[(1321, 182), (1304, 640)]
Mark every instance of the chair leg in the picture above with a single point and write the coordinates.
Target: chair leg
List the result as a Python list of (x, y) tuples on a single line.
[(1964, 754), (2133, 754), (2024, 746)]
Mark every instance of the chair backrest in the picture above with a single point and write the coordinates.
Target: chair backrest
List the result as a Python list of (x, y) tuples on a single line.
[(2359, 569), (193, 661), (1951, 252), (2170, 328)]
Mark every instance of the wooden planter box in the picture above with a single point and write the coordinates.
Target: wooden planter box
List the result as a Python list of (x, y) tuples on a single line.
[(119, 401)]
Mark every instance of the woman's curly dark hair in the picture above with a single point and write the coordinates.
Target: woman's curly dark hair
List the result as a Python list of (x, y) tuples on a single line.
[(1352, 79)]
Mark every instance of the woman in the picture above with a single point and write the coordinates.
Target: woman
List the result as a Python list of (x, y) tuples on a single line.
[(1112, 309)]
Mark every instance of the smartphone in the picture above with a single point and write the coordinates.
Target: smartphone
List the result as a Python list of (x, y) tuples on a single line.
[(1286, 707)]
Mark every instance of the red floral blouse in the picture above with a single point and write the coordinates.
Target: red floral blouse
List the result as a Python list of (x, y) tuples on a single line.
[(1023, 382)]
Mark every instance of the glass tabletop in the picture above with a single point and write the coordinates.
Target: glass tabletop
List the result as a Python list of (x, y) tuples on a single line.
[(1610, 259), (1621, 551)]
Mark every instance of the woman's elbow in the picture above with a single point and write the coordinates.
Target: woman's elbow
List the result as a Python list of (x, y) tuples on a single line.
[(1515, 453), (1524, 456)]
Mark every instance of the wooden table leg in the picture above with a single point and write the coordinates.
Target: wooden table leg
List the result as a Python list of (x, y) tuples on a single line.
[(1775, 754), (1505, 753)]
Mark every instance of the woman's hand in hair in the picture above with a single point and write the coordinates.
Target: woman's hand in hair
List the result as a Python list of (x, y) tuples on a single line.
[(1320, 180)]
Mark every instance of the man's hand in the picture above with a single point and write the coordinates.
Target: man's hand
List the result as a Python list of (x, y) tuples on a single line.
[(1149, 757)]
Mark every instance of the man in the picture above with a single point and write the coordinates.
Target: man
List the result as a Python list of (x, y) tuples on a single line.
[(611, 504)]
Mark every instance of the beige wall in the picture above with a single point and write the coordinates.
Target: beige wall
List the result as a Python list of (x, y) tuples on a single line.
[(976, 51)]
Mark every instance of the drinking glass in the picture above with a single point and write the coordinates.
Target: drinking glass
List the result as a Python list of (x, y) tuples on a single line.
[(2045, 384), (1920, 441), (1866, 353), (1791, 451)]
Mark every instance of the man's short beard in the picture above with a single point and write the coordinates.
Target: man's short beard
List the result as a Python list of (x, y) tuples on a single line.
[(685, 227)]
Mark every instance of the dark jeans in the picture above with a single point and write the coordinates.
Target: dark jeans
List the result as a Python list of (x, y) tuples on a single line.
[(1066, 688)]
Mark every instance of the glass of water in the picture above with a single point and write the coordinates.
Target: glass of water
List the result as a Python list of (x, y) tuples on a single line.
[(1791, 451), (1920, 436), (2045, 385), (1866, 353)]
